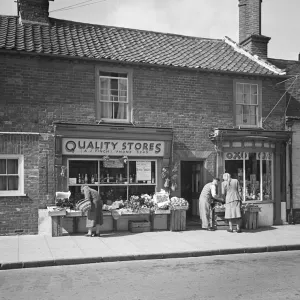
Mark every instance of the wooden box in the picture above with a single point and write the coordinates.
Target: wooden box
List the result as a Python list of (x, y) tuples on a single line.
[(139, 226)]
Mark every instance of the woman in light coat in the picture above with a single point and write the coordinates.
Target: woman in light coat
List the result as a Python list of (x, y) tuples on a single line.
[(95, 214), (233, 200)]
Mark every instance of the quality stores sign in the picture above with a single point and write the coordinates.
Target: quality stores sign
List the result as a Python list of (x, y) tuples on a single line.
[(112, 147)]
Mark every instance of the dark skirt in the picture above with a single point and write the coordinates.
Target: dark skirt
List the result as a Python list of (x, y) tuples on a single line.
[(233, 210), (95, 214)]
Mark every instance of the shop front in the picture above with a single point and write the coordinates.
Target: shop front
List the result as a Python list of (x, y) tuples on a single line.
[(117, 161), (257, 158)]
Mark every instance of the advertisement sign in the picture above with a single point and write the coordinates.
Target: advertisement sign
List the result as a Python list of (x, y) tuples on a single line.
[(143, 170), (112, 147), (264, 155), (236, 155)]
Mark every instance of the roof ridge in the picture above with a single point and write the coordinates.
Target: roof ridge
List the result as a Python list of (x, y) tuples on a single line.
[(264, 63), (140, 30)]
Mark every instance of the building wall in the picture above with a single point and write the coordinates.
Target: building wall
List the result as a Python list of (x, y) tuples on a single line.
[(19, 214), (36, 91), (296, 164)]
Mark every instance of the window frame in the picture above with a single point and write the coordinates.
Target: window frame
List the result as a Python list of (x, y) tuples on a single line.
[(129, 74), (259, 100), (20, 191), (127, 185), (272, 199)]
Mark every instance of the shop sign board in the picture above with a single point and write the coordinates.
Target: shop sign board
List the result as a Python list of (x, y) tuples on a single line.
[(77, 146), (143, 170), (236, 155), (114, 163)]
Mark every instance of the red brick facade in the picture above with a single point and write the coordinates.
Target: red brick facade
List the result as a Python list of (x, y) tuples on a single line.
[(37, 91)]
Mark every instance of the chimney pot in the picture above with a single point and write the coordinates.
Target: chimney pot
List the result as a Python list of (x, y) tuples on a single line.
[(250, 28), (34, 11)]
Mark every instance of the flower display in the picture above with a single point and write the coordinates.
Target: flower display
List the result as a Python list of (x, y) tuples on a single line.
[(177, 203), (136, 203)]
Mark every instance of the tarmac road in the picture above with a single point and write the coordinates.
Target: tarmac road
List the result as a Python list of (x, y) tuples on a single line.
[(243, 276)]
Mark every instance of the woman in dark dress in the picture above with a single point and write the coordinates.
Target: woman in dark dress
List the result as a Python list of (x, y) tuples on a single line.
[(94, 215)]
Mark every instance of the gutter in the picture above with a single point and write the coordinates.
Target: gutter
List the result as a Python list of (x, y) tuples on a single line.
[(99, 60)]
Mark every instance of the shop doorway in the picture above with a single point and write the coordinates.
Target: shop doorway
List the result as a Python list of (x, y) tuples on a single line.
[(191, 185)]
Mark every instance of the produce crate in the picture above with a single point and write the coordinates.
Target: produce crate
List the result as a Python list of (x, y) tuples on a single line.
[(139, 226), (159, 221), (178, 220)]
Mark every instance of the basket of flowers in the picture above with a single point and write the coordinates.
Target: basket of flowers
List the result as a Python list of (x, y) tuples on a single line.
[(177, 203)]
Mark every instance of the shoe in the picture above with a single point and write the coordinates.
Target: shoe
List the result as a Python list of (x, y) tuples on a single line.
[(239, 231), (95, 234), (211, 229), (229, 230), (88, 235)]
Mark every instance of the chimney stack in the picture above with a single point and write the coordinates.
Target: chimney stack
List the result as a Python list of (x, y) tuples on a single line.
[(34, 11), (250, 36)]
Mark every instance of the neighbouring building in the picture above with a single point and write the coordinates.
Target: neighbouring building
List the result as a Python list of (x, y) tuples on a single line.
[(116, 107)]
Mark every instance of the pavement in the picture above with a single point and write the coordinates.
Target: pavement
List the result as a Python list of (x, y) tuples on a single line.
[(28, 251)]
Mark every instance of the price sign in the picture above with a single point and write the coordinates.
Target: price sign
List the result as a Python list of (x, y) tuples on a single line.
[(143, 170)]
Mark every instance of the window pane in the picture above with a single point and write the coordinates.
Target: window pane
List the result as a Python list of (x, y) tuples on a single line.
[(252, 120), (3, 183), (12, 166), (254, 89), (123, 84), (239, 113), (104, 83), (13, 183), (104, 95), (114, 84), (112, 193), (246, 119), (240, 88), (120, 111), (253, 99), (247, 93), (2, 166), (240, 93), (106, 110), (267, 176), (252, 177)]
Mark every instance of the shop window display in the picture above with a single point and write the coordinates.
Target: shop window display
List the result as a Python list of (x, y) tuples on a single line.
[(254, 170), (114, 178)]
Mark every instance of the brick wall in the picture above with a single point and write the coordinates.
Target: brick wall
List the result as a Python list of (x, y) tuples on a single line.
[(38, 91), (34, 10), (19, 214)]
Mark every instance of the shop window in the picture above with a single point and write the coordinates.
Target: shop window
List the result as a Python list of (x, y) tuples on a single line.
[(247, 104), (114, 95), (254, 170), (114, 178), (11, 175)]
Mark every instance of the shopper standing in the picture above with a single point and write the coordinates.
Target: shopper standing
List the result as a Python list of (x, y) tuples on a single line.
[(233, 199), (207, 196), (95, 214)]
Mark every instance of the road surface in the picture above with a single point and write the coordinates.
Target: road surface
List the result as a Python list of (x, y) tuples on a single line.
[(243, 276)]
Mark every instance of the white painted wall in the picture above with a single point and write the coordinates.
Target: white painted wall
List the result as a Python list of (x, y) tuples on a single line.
[(265, 216)]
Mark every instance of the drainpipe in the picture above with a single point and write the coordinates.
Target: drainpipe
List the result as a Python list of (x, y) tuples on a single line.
[(290, 216)]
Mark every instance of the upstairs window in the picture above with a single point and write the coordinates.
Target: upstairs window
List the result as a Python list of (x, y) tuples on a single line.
[(114, 100), (247, 104)]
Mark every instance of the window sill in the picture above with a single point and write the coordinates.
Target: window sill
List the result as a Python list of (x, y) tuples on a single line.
[(13, 195), (258, 201)]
